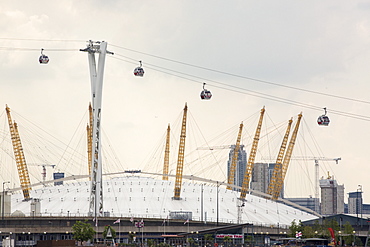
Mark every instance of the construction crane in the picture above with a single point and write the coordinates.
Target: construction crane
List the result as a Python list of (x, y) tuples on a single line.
[(19, 157), (166, 163), (252, 156), (316, 159), (287, 157), (180, 158), (277, 173), (234, 159), (43, 169)]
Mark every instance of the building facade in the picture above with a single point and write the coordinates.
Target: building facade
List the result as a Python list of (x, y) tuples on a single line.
[(355, 202), (332, 196), (241, 164)]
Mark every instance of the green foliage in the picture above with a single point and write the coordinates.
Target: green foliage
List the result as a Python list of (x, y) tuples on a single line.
[(163, 244), (209, 239), (348, 233), (227, 239), (82, 231), (308, 232), (150, 242), (294, 227), (105, 232)]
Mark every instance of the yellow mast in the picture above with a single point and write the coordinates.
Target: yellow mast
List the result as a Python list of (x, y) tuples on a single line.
[(287, 158), (89, 131), (235, 159), (19, 156), (276, 175), (252, 156), (166, 155), (180, 159)]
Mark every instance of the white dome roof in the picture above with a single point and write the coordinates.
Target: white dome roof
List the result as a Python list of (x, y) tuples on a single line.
[(142, 197)]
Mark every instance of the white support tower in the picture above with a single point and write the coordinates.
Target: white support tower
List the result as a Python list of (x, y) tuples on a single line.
[(96, 77)]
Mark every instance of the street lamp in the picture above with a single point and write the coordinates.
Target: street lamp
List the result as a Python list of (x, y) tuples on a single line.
[(354, 237), (2, 211)]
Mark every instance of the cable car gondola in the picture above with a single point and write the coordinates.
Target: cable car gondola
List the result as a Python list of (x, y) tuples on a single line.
[(205, 94), (323, 120), (139, 71), (43, 59)]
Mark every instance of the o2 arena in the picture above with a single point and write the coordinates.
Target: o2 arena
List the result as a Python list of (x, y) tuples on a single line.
[(147, 196)]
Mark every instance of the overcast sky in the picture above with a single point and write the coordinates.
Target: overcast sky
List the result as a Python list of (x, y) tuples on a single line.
[(287, 49)]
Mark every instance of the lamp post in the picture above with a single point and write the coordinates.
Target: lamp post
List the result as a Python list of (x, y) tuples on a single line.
[(354, 238), (2, 211), (340, 238)]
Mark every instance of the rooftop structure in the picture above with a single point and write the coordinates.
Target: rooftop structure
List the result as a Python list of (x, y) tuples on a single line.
[(143, 197)]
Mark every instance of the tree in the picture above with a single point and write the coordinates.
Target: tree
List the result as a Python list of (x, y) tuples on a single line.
[(308, 232), (82, 231), (208, 239), (294, 227), (151, 242), (227, 240)]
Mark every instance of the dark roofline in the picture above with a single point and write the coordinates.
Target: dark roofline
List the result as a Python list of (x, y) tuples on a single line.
[(216, 229)]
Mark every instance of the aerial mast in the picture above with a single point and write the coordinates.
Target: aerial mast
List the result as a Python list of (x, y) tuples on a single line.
[(232, 169), (277, 173), (180, 159), (89, 131), (19, 157), (166, 163), (96, 77), (287, 157), (252, 156)]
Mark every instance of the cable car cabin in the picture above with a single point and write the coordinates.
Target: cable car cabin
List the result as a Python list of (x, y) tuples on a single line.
[(205, 94), (43, 59), (139, 71), (323, 120)]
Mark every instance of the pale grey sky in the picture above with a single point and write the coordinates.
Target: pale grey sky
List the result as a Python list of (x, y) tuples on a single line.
[(311, 45)]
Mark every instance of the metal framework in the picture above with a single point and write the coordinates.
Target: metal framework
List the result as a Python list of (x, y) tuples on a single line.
[(252, 156), (180, 159), (89, 131), (19, 157), (166, 163), (96, 77), (287, 158), (277, 173), (232, 168)]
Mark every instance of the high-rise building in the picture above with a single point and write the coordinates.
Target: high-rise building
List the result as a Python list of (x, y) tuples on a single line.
[(332, 196), (355, 202), (241, 164), (260, 177)]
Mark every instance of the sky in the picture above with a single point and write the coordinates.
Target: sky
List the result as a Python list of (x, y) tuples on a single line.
[(286, 56)]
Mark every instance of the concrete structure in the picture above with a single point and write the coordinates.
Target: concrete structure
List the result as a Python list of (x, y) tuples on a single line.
[(355, 202), (308, 202), (332, 197), (260, 177), (240, 165)]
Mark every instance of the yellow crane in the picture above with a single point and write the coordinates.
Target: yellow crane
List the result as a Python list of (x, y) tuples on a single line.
[(277, 173), (89, 130), (166, 163), (235, 159), (287, 157), (252, 156), (180, 158), (19, 156)]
